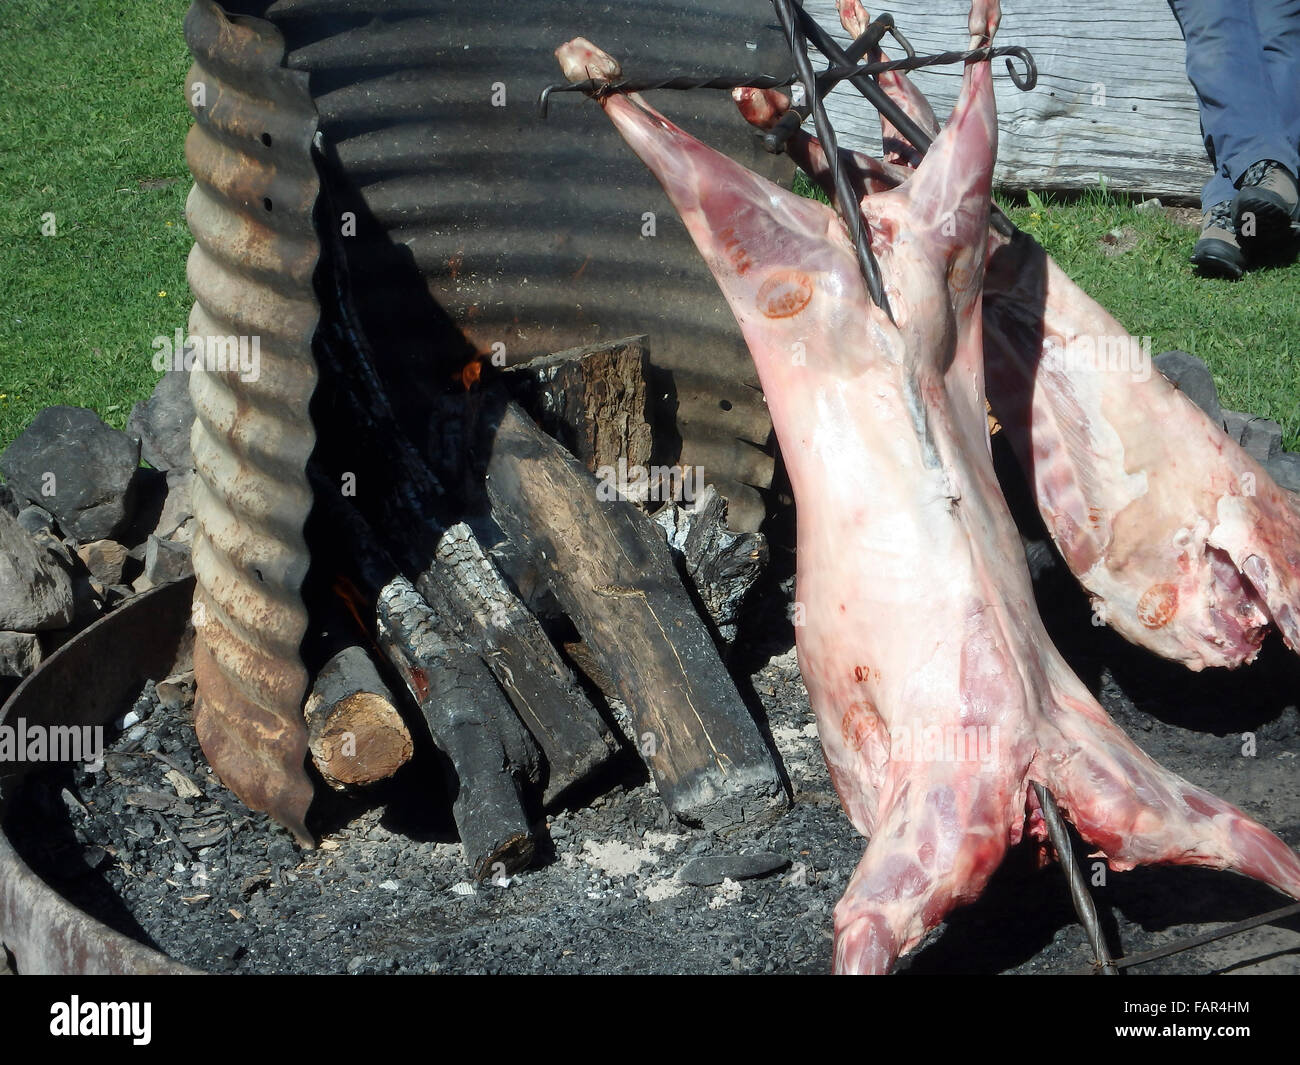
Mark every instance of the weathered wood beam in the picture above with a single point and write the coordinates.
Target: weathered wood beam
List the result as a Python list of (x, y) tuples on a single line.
[(611, 570), (594, 400)]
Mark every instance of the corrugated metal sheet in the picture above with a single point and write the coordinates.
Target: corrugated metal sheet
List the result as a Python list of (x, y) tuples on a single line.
[(251, 272), (527, 232)]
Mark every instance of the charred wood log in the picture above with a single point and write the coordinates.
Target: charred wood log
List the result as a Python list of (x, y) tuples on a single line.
[(354, 731), (722, 565), (612, 572), (465, 587), (594, 400), (472, 724)]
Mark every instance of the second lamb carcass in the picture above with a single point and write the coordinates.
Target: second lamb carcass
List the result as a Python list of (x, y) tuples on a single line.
[(939, 697), (1186, 544)]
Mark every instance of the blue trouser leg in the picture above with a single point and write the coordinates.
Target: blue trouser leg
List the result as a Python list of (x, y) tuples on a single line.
[(1243, 60), (1279, 28)]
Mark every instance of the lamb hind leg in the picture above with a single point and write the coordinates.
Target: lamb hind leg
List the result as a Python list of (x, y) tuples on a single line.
[(1139, 813), (934, 848)]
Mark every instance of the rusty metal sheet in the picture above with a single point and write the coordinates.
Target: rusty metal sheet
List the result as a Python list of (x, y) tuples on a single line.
[(251, 268), (85, 682), (531, 233)]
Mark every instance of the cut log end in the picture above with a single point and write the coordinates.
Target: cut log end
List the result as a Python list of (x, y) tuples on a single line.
[(361, 741), (354, 731)]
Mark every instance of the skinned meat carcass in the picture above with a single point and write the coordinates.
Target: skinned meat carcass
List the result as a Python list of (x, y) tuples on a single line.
[(1185, 543), (939, 696)]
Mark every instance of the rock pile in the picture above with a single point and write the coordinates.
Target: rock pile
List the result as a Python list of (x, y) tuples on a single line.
[(84, 526)]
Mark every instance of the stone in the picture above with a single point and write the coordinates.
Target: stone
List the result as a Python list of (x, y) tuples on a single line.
[(1285, 470), (8, 503), (36, 519), (35, 591), (179, 507), (78, 468), (1262, 439), (184, 534), (1234, 424), (715, 868), (104, 559), (115, 593), (166, 561), (1193, 379), (163, 423), (20, 653)]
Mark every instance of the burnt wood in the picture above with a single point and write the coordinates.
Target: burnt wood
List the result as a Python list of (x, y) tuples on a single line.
[(612, 571), (722, 565), (594, 400), (472, 724), (465, 587)]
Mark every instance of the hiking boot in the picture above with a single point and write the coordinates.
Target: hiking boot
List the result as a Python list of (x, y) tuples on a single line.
[(1217, 253), (1267, 204)]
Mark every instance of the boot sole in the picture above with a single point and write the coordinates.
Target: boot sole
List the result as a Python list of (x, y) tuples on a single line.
[(1272, 219), (1218, 258)]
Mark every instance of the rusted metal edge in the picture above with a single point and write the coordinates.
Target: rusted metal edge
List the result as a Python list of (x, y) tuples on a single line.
[(85, 682), (251, 273)]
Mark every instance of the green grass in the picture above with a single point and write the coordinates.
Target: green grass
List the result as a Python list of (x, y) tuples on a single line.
[(1247, 332), (92, 129)]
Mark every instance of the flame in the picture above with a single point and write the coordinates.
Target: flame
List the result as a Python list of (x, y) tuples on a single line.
[(352, 599), (471, 372)]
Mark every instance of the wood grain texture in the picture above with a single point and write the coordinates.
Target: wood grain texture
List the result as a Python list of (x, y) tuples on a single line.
[(611, 570), (1112, 99)]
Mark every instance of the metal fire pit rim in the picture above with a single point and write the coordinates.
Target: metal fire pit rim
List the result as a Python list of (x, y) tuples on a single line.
[(45, 932)]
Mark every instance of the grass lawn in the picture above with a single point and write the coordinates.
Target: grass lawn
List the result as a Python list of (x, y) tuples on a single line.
[(92, 130)]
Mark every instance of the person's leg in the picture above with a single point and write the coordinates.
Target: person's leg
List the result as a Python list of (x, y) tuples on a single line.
[(1225, 64), (1279, 33)]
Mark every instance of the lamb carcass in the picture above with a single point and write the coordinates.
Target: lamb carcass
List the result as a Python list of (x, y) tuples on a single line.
[(939, 697), (1185, 543)]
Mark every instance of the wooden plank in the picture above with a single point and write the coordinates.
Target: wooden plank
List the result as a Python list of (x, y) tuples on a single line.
[(1112, 100), (612, 571)]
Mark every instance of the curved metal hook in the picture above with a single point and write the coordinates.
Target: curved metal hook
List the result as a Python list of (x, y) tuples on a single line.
[(1026, 81), (903, 42)]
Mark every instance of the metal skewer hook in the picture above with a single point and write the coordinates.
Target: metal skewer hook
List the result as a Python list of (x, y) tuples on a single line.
[(1079, 895)]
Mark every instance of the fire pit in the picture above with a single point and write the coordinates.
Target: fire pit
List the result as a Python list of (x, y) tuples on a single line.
[(480, 615)]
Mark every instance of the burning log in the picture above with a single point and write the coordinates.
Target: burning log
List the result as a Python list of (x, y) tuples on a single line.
[(594, 400), (354, 732), (611, 570), (465, 587), (471, 724)]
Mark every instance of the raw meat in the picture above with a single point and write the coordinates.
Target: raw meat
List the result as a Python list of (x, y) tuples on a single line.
[(939, 697), (1186, 544)]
